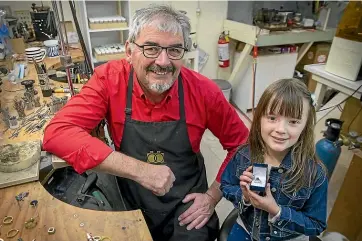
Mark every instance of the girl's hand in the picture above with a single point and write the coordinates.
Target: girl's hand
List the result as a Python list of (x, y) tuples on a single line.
[(266, 203), (245, 181)]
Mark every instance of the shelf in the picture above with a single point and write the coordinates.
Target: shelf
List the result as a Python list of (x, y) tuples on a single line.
[(107, 30), (248, 34)]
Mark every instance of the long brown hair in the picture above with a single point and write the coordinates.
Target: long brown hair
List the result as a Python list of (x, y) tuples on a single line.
[(285, 97)]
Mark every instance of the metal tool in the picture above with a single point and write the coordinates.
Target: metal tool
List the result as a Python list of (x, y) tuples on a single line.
[(29, 93), (37, 101), (65, 58), (19, 106), (6, 116)]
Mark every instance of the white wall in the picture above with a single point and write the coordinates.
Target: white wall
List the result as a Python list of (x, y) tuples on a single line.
[(208, 26)]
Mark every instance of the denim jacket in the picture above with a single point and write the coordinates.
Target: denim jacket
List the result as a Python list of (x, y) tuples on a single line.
[(302, 213)]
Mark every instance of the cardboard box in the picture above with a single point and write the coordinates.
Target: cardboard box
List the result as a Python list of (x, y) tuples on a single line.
[(317, 54), (18, 45)]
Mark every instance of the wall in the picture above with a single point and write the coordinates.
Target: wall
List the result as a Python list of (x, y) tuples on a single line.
[(208, 26)]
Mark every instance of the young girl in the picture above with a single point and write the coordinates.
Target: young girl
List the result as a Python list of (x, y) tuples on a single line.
[(294, 203)]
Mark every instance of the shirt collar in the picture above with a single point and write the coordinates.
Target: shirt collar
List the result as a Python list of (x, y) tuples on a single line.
[(138, 91)]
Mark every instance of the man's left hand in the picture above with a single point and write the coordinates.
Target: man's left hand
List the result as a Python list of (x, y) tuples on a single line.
[(199, 213)]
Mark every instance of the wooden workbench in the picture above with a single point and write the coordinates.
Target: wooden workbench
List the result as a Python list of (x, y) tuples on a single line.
[(10, 91), (71, 223)]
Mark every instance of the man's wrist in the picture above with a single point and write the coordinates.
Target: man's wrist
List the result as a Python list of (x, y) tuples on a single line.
[(214, 193)]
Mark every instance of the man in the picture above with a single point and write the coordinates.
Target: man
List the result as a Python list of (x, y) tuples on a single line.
[(158, 111)]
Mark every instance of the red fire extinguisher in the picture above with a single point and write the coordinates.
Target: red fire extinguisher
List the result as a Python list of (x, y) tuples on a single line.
[(223, 50)]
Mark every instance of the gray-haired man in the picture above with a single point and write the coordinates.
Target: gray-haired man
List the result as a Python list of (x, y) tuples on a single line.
[(158, 111)]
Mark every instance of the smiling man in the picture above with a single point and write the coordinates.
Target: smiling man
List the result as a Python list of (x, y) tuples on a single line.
[(157, 112)]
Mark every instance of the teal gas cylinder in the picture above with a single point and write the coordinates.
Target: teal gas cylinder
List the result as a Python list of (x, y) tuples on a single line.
[(328, 149)]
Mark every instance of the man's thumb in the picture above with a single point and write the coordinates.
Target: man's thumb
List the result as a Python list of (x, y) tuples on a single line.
[(189, 197)]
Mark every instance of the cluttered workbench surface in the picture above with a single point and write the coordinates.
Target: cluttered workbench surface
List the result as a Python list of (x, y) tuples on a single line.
[(27, 210), (12, 93)]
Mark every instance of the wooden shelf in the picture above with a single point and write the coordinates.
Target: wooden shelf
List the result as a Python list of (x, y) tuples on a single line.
[(249, 34)]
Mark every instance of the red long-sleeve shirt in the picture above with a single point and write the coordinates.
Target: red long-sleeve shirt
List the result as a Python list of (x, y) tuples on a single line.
[(67, 135)]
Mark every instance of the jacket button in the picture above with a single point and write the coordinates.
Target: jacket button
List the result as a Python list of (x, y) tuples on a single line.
[(275, 232), (280, 170), (280, 223), (267, 238), (273, 189), (257, 224)]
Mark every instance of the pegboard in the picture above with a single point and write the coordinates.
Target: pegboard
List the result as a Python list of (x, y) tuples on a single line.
[(24, 16)]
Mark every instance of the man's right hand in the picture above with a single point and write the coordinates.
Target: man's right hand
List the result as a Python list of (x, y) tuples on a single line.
[(157, 178)]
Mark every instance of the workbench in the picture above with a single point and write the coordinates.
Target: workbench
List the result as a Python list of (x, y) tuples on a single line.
[(253, 36), (70, 222)]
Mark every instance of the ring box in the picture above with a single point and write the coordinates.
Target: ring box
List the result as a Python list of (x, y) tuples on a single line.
[(260, 177)]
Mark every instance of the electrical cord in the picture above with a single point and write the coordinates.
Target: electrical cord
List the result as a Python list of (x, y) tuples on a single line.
[(334, 106), (354, 118)]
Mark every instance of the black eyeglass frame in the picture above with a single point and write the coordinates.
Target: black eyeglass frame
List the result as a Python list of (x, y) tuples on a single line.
[(162, 48)]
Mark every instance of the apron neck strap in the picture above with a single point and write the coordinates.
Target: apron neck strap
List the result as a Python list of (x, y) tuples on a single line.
[(128, 109)]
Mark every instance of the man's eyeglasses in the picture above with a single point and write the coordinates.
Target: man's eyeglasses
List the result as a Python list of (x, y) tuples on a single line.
[(153, 51)]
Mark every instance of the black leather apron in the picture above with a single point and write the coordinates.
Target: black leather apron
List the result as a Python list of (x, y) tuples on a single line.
[(165, 143)]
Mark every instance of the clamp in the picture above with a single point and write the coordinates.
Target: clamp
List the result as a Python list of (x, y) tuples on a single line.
[(8, 220)]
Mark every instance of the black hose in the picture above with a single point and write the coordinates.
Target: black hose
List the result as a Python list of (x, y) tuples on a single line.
[(81, 40)]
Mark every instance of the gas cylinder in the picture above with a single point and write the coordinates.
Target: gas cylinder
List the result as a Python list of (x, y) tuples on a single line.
[(328, 149)]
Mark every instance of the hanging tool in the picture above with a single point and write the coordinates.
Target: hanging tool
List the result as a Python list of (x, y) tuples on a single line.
[(80, 36), (65, 58)]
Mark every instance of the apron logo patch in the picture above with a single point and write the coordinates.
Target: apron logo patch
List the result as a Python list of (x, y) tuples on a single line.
[(155, 158)]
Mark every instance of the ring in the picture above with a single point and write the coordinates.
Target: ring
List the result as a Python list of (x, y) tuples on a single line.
[(257, 180), (8, 220), (14, 231)]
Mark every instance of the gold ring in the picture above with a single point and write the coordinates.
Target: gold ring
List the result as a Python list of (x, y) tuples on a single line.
[(8, 220), (14, 231)]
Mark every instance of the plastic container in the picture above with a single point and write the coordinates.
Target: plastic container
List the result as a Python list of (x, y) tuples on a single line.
[(225, 86)]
